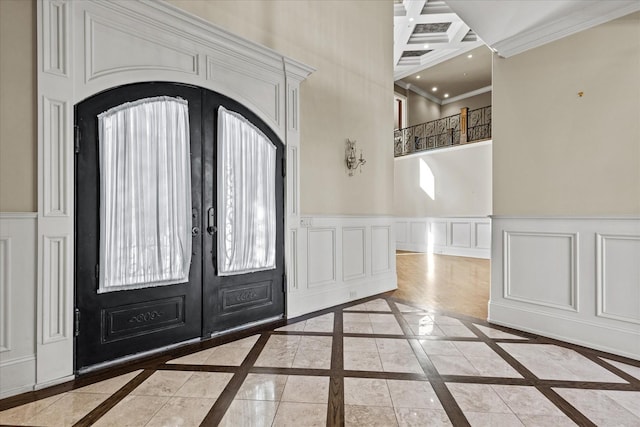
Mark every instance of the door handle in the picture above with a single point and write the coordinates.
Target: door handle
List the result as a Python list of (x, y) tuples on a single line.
[(211, 228)]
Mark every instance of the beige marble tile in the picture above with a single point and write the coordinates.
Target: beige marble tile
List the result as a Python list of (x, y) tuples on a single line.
[(546, 421), (20, 415), (68, 410), (362, 361), (438, 347), (199, 358), (493, 367), (298, 326), (109, 386), (387, 319), (599, 407), (306, 389), (477, 398), (247, 342), (277, 358), (391, 345), (485, 419), (357, 328), (378, 305), (478, 349), (413, 394), (370, 416), (227, 356), (629, 400), (446, 321), (629, 369), (422, 417), (366, 392), (132, 411), (400, 362), (496, 333), (386, 329), (205, 384), (181, 411), (322, 323), (355, 317), (162, 383), (526, 400), (301, 414), (456, 331), (313, 359), (453, 365), (406, 309), (282, 342), (427, 329), (249, 413), (358, 307), (315, 343), (262, 387), (360, 344)]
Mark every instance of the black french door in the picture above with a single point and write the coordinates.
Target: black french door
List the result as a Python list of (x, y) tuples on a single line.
[(121, 323)]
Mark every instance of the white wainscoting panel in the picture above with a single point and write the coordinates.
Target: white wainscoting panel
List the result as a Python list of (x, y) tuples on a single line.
[(618, 277), (573, 279), (460, 236), (353, 253), (540, 269), (360, 248), (322, 250), (17, 302)]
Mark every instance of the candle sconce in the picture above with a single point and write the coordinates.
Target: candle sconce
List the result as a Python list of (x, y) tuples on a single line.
[(352, 161)]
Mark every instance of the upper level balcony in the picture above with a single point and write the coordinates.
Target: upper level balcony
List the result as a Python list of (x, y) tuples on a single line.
[(464, 128)]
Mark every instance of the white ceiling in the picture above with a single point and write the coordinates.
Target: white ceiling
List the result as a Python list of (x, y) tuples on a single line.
[(453, 27)]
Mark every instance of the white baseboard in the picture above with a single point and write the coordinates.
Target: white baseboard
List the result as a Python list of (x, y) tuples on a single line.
[(573, 279), (17, 376), (456, 236)]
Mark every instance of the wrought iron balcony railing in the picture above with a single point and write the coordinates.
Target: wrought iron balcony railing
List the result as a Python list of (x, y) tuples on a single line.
[(466, 127)]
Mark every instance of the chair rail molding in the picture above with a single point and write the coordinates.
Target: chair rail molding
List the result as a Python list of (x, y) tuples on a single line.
[(574, 279), (87, 47)]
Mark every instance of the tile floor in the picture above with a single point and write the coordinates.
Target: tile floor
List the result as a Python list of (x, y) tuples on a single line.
[(377, 363)]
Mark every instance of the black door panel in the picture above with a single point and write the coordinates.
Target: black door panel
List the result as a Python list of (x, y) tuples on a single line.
[(121, 323)]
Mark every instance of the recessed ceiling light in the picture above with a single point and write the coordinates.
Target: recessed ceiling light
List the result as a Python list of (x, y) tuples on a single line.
[(417, 77), (410, 19), (470, 56), (434, 89), (446, 95), (426, 46)]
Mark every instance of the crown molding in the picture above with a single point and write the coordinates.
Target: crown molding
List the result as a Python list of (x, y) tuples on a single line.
[(467, 95), (419, 91), (589, 15)]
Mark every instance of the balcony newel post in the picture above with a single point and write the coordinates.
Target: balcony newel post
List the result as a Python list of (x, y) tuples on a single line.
[(463, 125)]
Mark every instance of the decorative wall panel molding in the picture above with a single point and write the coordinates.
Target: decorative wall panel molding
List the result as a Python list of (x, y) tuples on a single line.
[(574, 279), (17, 302), (353, 253), (618, 267), (5, 293), (541, 269), (459, 236), (361, 248), (86, 47)]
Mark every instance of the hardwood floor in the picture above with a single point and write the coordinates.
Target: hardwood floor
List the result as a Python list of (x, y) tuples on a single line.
[(445, 283)]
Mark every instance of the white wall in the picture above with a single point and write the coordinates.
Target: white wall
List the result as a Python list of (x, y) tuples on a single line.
[(444, 182)]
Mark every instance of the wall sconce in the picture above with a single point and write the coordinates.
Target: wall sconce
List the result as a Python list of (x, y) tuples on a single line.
[(352, 161)]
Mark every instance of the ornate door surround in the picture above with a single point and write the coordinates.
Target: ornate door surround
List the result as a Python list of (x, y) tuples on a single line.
[(88, 47)]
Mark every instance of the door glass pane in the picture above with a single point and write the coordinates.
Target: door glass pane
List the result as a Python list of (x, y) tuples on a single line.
[(145, 194), (246, 196)]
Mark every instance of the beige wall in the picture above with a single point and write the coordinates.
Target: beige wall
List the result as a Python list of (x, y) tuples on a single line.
[(473, 102), (556, 153), (461, 182), (349, 96), (18, 139), (421, 109)]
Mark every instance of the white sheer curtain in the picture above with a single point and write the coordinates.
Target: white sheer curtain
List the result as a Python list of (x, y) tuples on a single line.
[(246, 196), (145, 194)]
